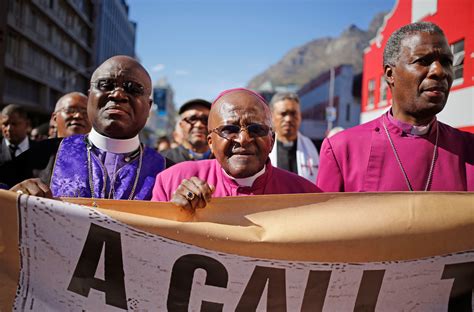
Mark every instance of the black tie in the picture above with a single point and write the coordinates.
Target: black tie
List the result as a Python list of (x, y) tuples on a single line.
[(13, 149)]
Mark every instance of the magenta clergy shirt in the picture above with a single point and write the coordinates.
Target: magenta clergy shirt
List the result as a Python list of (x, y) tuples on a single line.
[(273, 181), (361, 159)]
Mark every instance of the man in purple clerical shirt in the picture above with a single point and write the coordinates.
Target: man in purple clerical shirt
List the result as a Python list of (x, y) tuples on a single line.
[(407, 148), (241, 138), (110, 161)]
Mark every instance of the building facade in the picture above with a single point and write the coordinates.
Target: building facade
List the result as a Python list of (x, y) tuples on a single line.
[(46, 50), (114, 32), (456, 18), (339, 90), (163, 113)]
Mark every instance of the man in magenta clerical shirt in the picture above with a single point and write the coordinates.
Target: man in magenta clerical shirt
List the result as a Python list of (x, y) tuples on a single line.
[(241, 138), (407, 148)]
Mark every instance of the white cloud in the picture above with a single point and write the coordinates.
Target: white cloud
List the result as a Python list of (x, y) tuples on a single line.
[(158, 67)]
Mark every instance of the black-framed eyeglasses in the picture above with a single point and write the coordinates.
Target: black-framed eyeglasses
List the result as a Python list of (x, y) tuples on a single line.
[(231, 132), (74, 110), (192, 120), (131, 87)]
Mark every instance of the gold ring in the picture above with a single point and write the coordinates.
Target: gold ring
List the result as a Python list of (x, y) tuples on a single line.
[(190, 195)]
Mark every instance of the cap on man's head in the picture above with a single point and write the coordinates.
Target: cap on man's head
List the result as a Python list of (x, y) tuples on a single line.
[(195, 102)]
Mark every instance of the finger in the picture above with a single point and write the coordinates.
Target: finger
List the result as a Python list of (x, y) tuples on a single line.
[(181, 202), (204, 189), (180, 199), (44, 189)]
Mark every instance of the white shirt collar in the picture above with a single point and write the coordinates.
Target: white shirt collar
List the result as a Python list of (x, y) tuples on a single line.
[(23, 146), (247, 181), (116, 146)]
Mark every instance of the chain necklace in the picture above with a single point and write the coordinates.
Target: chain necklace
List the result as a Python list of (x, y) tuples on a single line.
[(435, 153), (104, 170)]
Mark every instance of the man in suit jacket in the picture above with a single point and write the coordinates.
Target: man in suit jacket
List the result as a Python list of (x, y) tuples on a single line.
[(15, 124)]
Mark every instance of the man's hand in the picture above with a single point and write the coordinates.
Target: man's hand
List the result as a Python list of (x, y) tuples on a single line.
[(192, 194), (33, 187)]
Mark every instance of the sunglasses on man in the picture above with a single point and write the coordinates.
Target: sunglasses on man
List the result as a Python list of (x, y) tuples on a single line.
[(192, 120), (131, 87), (231, 132)]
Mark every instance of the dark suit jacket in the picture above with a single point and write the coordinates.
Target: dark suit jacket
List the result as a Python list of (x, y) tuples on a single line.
[(5, 151)]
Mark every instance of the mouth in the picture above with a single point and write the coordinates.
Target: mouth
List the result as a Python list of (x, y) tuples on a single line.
[(435, 91), (242, 153), (75, 124), (116, 110)]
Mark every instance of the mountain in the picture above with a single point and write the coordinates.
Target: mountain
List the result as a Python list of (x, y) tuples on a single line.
[(304, 63)]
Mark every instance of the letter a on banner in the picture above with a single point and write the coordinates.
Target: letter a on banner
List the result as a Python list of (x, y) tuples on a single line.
[(84, 278)]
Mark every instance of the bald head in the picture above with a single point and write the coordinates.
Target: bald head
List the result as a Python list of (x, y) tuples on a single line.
[(229, 100), (119, 97)]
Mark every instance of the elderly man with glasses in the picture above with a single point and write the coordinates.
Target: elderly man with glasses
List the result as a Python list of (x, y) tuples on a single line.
[(193, 126), (241, 138), (109, 162), (70, 115)]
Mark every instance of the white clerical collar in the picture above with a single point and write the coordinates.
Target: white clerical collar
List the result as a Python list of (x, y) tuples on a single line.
[(247, 181), (113, 145)]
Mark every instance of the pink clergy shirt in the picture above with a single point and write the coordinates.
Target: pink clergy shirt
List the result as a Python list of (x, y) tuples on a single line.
[(361, 159), (273, 181)]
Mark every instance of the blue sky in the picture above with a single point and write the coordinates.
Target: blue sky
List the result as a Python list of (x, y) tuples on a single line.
[(205, 46)]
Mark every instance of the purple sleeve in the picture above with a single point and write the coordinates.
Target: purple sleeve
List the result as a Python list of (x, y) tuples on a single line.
[(330, 177)]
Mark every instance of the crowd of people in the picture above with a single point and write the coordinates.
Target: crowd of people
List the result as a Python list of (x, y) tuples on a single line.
[(241, 145)]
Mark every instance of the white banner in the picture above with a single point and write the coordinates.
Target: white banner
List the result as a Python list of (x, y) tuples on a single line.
[(75, 258)]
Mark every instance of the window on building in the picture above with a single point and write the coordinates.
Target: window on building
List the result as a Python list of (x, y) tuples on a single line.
[(371, 94), (348, 112), (458, 61), (383, 90)]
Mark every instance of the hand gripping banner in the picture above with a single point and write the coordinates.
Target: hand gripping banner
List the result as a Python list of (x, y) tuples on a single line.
[(313, 252)]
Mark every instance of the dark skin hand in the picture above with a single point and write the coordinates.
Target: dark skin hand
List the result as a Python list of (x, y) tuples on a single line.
[(202, 194), (33, 187)]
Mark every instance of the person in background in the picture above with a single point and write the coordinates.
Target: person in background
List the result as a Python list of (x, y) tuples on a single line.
[(193, 125), (292, 151), (70, 115), (241, 138), (109, 162), (407, 148), (39, 133), (177, 135), (162, 143), (15, 125)]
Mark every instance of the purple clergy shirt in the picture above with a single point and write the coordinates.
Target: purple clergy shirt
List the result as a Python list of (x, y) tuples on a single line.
[(273, 181), (361, 159)]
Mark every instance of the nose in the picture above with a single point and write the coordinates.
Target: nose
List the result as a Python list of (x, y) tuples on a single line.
[(437, 70), (244, 137), (118, 94)]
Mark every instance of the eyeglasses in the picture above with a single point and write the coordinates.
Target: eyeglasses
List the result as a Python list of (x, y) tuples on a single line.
[(231, 132), (192, 120), (131, 87), (74, 110)]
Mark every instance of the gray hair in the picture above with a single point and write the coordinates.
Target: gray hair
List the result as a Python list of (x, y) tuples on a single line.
[(15, 109), (391, 53), (281, 96)]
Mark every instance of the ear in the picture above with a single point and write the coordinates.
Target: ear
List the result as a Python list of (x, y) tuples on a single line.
[(388, 73), (150, 102), (209, 142), (54, 117), (273, 140)]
